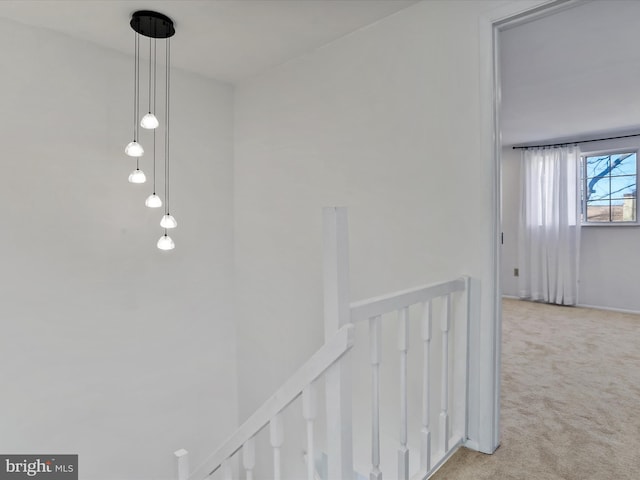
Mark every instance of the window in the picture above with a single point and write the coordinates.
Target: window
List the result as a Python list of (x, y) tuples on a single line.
[(609, 188)]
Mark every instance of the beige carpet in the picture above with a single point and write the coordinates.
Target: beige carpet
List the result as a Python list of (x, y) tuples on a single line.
[(570, 398)]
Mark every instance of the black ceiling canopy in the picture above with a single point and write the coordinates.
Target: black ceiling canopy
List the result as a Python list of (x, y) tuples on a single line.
[(152, 24)]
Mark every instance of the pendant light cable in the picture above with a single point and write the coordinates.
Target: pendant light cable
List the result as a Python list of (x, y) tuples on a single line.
[(155, 72), (166, 132), (137, 96), (154, 161), (155, 46), (150, 42), (135, 83)]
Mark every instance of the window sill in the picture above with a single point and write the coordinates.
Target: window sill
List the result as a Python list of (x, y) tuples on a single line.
[(609, 225)]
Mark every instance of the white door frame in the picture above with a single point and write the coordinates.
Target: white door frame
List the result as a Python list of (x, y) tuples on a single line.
[(484, 387)]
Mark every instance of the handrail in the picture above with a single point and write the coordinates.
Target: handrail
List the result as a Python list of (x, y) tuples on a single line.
[(319, 362), (366, 309)]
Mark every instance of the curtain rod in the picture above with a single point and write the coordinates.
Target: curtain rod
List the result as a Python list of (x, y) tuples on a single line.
[(525, 147)]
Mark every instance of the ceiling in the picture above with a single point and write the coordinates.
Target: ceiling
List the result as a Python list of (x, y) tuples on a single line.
[(229, 40), (572, 75)]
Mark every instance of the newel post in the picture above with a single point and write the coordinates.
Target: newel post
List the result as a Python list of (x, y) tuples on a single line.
[(336, 315), (183, 463)]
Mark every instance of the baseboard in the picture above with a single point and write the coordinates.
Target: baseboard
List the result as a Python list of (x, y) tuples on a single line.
[(584, 305), (471, 445), (611, 309)]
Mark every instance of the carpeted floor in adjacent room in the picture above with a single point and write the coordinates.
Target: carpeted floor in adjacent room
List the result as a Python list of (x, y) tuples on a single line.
[(570, 398)]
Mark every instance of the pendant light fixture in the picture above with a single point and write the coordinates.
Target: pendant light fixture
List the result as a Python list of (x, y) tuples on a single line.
[(134, 149), (166, 243), (153, 200), (149, 121), (167, 220), (137, 176), (155, 26)]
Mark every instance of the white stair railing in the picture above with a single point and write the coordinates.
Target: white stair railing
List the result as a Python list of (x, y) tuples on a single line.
[(183, 463), (375, 333), (269, 412), (425, 432), (309, 412), (249, 457), (332, 363), (372, 311)]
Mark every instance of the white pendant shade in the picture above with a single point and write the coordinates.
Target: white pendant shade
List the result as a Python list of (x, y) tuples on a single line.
[(166, 243), (153, 201), (168, 222), (134, 149), (149, 121), (137, 176)]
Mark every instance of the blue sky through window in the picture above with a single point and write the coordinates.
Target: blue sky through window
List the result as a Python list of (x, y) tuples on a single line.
[(610, 185)]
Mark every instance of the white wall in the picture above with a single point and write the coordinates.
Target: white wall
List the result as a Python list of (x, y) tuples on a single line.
[(385, 121), (510, 218), (110, 348), (609, 261), (609, 257)]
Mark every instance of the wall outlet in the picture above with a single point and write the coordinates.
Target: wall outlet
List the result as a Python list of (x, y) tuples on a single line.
[(516, 272)]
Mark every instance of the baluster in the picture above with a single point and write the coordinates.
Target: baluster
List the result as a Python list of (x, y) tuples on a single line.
[(337, 314), (276, 435), (183, 463), (444, 400), (249, 457), (403, 346), (375, 352), (425, 433), (309, 412), (226, 470)]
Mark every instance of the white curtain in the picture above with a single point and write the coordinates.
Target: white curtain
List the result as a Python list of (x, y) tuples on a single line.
[(549, 236)]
